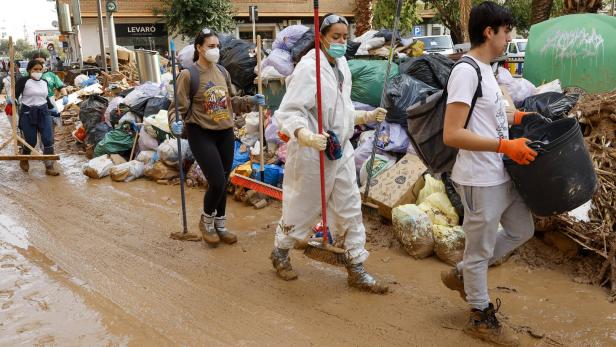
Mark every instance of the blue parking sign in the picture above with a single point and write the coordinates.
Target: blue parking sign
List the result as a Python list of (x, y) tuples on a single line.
[(417, 30)]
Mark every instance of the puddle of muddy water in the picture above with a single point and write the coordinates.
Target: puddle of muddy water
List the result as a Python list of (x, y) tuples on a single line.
[(42, 305)]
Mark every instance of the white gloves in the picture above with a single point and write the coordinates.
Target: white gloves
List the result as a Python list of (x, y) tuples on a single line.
[(364, 117), (307, 138)]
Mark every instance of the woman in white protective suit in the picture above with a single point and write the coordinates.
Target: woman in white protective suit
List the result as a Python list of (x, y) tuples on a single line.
[(297, 119)]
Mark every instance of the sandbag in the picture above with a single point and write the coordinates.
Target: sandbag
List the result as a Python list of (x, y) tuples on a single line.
[(368, 77), (154, 105), (413, 229), (287, 38), (168, 152), (127, 172), (98, 167), (115, 142), (439, 209), (302, 46), (431, 69), (448, 243), (239, 60), (159, 171), (91, 112), (146, 156), (402, 92), (431, 186), (381, 163), (146, 142), (280, 60), (551, 105)]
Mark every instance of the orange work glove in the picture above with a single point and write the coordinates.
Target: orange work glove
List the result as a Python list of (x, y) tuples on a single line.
[(518, 115), (517, 150)]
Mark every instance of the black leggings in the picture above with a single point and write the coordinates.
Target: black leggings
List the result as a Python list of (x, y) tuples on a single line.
[(213, 150)]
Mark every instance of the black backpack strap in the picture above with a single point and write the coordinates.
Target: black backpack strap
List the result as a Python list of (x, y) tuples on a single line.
[(478, 91)]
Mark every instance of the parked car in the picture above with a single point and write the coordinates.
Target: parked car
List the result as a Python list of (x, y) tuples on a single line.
[(441, 44), (516, 48)]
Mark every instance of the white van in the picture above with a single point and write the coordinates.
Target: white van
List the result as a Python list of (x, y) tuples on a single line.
[(441, 44), (516, 48)]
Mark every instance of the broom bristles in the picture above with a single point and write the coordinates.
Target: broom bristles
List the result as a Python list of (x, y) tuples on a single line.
[(325, 253)]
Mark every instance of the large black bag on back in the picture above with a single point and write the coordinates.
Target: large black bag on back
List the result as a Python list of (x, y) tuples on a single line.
[(431, 69), (425, 121), (402, 92)]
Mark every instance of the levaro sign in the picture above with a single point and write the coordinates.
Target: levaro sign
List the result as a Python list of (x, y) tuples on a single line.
[(140, 30)]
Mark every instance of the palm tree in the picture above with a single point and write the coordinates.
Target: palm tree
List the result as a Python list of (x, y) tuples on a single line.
[(363, 16), (541, 10), (582, 6), (465, 13)]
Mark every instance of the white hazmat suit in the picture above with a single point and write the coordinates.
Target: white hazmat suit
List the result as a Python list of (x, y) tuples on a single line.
[(301, 206)]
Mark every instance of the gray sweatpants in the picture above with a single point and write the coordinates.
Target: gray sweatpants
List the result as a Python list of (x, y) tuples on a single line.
[(484, 208)]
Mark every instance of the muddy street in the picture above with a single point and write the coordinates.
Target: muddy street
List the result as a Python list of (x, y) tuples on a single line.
[(88, 262)]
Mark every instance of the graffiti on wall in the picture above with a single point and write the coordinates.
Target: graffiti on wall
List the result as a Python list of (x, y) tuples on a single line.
[(577, 43)]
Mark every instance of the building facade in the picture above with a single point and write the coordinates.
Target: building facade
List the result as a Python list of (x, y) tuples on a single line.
[(137, 26)]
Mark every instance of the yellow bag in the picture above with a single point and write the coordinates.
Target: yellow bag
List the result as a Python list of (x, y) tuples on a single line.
[(431, 186), (440, 210), (244, 169)]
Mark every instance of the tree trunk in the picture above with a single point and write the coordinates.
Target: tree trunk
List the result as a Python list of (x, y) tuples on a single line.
[(465, 13), (363, 16), (541, 10), (582, 6)]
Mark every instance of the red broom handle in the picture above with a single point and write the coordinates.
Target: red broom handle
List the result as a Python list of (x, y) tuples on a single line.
[(317, 46)]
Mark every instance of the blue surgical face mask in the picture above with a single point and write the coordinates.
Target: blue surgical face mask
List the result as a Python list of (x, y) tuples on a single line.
[(336, 50)]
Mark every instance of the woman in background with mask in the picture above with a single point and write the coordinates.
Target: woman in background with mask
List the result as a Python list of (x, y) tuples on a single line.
[(34, 115), (297, 119), (209, 128)]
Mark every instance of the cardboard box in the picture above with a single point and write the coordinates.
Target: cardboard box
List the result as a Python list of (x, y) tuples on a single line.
[(397, 186)]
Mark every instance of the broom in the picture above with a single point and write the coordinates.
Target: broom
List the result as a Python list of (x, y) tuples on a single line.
[(184, 235), (368, 207), (319, 248)]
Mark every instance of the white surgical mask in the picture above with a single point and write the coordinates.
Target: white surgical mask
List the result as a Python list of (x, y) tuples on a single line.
[(212, 55), (36, 75)]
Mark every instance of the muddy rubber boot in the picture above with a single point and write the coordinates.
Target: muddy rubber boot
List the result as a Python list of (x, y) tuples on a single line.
[(282, 264), (485, 326), (453, 280), (24, 165), (50, 169), (208, 231), (220, 223), (359, 278)]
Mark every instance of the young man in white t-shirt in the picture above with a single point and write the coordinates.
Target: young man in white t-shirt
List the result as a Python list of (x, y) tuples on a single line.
[(488, 194)]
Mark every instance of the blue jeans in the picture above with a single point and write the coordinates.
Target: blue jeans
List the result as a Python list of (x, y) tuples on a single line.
[(35, 120)]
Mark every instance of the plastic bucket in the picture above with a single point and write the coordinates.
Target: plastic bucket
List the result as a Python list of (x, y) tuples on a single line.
[(562, 177)]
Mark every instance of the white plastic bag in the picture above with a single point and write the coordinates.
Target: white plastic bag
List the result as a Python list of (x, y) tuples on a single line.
[(413, 229), (127, 172), (146, 156), (281, 60), (553, 86), (141, 93), (252, 123), (146, 141), (98, 167), (168, 152)]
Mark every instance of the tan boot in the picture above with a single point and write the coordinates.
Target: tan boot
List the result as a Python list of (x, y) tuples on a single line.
[(282, 264), (359, 278), (50, 169), (208, 231), (485, 326), (220, 223), (453, 280), (24, 165)]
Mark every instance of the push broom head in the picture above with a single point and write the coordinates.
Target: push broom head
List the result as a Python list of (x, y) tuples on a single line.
[(325, 252), (181, 236)]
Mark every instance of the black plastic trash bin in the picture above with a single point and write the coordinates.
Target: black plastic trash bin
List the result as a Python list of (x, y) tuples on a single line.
[(562, 177)]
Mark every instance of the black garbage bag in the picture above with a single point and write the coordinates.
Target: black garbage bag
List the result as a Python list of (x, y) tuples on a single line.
[(303, 45), (551, 105), (139, 109), (98, 133), (352, 48), (154, 105), (224, 39), (92, 111), (402, 92), (387, 34), (239, 59), (453, 195), (431, 69)]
